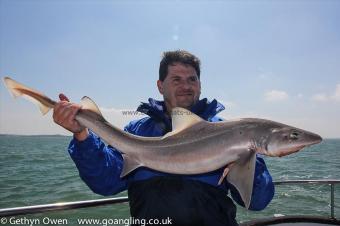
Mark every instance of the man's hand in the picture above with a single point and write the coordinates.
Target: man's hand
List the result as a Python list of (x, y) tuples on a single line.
[(64, 114)]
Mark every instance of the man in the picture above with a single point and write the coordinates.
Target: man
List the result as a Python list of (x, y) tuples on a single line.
[(186, 199)]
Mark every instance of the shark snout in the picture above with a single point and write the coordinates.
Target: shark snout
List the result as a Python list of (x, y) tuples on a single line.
[(316, 139)]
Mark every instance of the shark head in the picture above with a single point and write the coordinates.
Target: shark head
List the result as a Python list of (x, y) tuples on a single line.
[(284, 140)]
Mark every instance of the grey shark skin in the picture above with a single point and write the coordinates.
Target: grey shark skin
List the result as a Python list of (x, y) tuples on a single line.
[(194, 146)]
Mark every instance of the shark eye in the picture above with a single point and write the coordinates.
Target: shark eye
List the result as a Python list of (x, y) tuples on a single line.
[(294, 135)]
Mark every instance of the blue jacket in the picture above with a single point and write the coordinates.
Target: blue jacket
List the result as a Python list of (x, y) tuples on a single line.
[(100, 166)]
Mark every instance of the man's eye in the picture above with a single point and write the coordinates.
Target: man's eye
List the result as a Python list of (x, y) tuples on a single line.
[(193, 79)]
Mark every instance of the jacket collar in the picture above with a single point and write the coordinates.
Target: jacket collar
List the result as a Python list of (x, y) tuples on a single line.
[(156, 109)]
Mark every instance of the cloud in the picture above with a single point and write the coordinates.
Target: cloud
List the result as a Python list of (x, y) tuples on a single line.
[(336, 95), (275, 95), (320, 97), (323, 97)]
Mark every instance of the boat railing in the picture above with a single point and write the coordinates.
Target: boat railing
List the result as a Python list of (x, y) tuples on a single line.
[(6, 212)]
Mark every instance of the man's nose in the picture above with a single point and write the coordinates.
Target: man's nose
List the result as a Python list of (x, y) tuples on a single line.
[(186, 84)]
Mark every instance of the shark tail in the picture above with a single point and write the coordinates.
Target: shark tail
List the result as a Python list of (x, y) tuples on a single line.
[(16, 89)]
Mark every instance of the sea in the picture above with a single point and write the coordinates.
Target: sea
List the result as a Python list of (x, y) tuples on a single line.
[(38, 170)]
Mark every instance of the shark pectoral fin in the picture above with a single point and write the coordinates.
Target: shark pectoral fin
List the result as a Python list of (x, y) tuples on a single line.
[(241, 175), (88, 104), (130, 164)]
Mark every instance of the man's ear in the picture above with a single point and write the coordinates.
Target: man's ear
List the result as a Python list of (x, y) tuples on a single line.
[(160, 86)]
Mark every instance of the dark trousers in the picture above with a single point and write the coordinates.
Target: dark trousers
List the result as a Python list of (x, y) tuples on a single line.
[(184, 202)]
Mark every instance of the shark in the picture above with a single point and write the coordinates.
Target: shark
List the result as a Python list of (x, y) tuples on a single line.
[(194, 146)]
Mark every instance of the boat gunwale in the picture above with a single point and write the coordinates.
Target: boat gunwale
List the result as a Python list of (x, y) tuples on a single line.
[(291, 219)]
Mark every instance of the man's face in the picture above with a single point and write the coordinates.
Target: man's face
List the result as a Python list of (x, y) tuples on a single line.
[(181, 87)]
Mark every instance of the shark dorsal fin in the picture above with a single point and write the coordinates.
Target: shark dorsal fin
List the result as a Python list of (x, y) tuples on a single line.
[(88, 104), (182, 119)]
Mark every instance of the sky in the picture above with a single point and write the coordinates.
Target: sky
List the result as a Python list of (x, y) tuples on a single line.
[(278, 60)]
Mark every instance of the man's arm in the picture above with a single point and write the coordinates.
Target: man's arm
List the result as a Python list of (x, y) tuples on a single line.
[(263, 187), (99, 165)]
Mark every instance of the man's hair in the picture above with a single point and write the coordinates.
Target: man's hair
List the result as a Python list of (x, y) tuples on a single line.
[(180, 56)]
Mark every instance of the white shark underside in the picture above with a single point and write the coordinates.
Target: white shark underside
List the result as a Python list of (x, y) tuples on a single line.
[(194, 146)]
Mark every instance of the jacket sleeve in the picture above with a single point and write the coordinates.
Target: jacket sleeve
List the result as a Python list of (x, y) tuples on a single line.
[(263, 187), (99, 165)]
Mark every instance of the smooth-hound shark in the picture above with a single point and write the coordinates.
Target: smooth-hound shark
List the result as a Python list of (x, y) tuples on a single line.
[(194, 146)]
